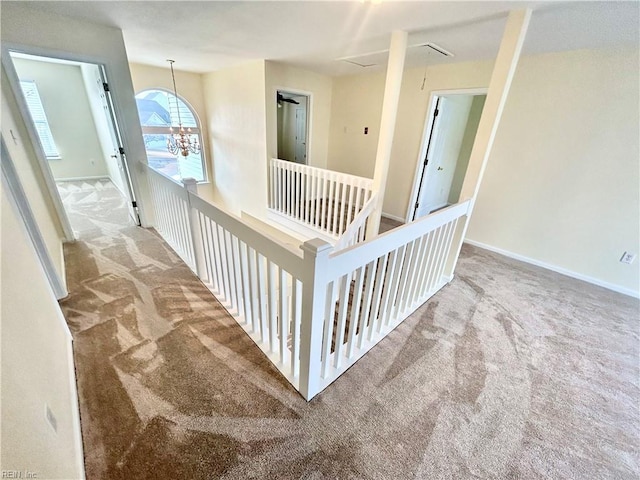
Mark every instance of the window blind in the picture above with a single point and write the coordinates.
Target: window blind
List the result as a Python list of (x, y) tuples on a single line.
[(39, 117)]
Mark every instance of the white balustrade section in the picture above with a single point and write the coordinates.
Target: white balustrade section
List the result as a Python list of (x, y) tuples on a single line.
[(370, 288), (171, 211), (256, 279), (323, 199), (313, 313)]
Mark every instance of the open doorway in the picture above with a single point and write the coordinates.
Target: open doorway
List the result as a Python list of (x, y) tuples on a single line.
[(450, 130), (69, 108), (293, 110)]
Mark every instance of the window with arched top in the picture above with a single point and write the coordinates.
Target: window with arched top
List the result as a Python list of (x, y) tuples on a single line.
[(160, 115)]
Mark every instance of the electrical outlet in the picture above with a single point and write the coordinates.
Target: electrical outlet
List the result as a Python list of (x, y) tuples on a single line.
[(628, 257), (51, 418)]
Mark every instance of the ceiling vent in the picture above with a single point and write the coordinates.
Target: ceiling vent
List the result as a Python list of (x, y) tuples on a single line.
[(437, 49)]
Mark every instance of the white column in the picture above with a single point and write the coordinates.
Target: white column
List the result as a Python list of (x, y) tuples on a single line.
[(503, 71), (392, 85)]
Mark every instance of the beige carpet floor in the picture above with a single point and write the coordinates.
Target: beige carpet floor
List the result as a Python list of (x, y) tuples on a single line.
[(511, 371)]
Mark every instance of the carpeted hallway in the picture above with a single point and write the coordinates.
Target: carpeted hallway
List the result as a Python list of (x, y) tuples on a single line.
[(511, 371)]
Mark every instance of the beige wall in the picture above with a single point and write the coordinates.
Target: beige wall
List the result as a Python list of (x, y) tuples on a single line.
[(297, 80), (37, 365), (561, 186), (31, 178), (357, 103), (235, 106), (190, 88), (66, 104), (562, 183)]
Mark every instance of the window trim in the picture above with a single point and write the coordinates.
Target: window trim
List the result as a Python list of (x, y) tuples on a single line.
[(159, 130)]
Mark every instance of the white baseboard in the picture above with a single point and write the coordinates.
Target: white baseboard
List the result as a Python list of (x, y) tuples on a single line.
[(393, 217), (81, 179), (557, 269), (75, 416)]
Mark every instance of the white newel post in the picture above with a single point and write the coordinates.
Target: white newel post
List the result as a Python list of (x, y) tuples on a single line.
[(196, 235), (314, 293), (501, 78)]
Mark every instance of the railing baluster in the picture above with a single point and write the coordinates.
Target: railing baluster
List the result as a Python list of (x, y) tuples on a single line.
[(253, 290), (355, 309), (296, 306), (215, 281), (202, 226), (442, 256), (367, 301), (283, 315), (433, 258), (377, 296), (262, 292), (407, 265), (343, 205), (324, 198), (244, 282), (328, 320), (391, 285), (343, 296), (298, 193), (272, 305), (420, 261), (320, 203)]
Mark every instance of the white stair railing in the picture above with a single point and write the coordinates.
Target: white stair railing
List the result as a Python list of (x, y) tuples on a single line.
[(321, 199), (367, 290), (255, 277), (313, 314)]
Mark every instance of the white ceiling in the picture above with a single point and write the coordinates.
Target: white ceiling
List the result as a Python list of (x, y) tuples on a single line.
[(206, 36)]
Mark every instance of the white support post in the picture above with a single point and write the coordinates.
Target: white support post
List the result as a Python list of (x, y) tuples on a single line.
[(393, 83), (196, 234), (501, 78), (314, 292)]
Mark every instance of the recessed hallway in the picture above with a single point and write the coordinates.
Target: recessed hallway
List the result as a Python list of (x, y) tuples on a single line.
[(504, 373)]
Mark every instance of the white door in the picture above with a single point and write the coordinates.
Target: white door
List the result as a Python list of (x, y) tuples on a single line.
[(452, 113), (301, 135), (120, 177), (99, 110)]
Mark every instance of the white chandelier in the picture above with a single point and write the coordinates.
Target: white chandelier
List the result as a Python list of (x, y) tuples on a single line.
[(182, 141)]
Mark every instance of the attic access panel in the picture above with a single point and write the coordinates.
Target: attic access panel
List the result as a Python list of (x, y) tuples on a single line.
[(416, 55)]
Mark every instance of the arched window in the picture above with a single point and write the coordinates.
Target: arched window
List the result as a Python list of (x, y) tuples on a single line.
[(158, 111)]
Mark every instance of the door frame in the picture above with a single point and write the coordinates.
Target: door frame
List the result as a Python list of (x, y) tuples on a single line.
[(426, 137), (43, 164), (304, 93)]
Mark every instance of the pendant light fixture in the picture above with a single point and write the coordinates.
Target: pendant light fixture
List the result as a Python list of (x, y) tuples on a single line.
[(181, 142)]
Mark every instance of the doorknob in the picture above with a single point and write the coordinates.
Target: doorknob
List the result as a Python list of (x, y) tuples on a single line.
[(114, 156), (440, 168)]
